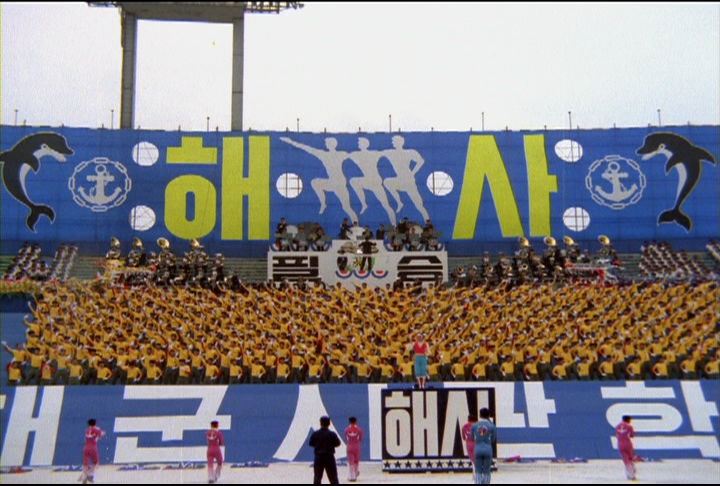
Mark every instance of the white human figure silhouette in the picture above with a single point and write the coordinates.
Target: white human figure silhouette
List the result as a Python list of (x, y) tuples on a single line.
[(336, 182), (367, 161), (401, 160)]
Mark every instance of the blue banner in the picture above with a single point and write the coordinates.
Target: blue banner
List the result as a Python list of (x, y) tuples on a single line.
[(482, 191), (146, 424)]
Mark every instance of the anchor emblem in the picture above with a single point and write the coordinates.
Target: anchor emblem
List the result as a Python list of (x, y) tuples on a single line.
[(101, 194), (619, 172), (97, 192), (619, 192)]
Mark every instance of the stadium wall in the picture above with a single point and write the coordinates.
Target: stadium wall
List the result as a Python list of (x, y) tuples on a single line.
[(268, 423), (482, 191)]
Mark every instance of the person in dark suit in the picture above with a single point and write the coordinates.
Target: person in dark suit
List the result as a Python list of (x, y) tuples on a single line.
[(324, 441)]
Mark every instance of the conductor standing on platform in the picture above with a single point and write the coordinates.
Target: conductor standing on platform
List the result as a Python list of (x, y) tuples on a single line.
[(368, 247)]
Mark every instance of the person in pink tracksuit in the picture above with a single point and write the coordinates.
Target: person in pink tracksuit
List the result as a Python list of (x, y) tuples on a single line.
[(353, 437), (469, 442), (625, 433), (214, 453), (91, 457)]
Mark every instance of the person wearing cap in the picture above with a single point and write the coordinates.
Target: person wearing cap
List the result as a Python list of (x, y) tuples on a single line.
[(559, 371), (338, 371), (457, 371), (660, 369), (215, 440), (14, 374), (36, 358), (280, 232), (60, 364), (363, 370), (314, 371), (198, 364), (104, 374), (185, 372), (19, 355), (46, 373), (479, 369), (153, 373), (711, 369), (633, 371), (236, 371), (324, 441), (344, 229), (172, 367), (299, 364), (300, 239), (405, 369), (282, 371), (212, 372), (387, 371), (530, 370), (120, 363), (134, 374), (76, 372), (507, 369), (270, 361)]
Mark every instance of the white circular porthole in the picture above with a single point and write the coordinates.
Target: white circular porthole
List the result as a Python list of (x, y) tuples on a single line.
[(145, 154), (289, 185), (142, 218), (569, 150), (440, 183), (576, 219)]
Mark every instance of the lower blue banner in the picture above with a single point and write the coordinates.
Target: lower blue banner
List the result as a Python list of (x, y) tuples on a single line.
[(267, 423)]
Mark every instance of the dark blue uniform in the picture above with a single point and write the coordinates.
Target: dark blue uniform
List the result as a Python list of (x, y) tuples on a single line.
[(325, 441), (484, 434)]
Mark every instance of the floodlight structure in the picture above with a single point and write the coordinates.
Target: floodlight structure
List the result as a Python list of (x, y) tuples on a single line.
[(213, 12)]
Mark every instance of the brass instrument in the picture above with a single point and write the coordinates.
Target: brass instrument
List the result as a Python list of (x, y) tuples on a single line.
[(568, 241), (136, 243), (163, 243), (604, 240), (524, 241), (549, 241), (114, 252)]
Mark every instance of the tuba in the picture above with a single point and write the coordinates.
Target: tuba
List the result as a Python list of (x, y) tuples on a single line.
[(114, 251), (568, 241), (523, 242), (194, 243), (137, 243), (604, 240), (549, 241), (163, 243)]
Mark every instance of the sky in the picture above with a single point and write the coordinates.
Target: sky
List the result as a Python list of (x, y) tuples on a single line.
[(375, 67)]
